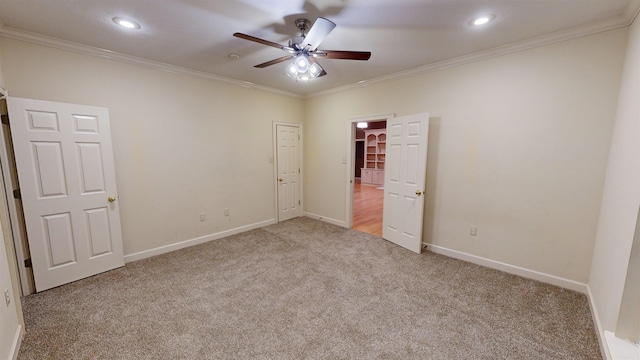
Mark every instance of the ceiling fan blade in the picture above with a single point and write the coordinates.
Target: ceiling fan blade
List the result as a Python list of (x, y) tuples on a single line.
[(263, 42), (274, 61), (343, 54), (320, 29)]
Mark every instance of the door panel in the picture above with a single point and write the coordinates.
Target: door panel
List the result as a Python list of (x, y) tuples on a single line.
[(65, 167), (288, 154), (98, 231), (50, 174), (91, 168), (59, 239), (405, 175)]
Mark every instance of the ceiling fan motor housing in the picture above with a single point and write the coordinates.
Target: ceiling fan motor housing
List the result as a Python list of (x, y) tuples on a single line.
[(296, 40), (303, 25)]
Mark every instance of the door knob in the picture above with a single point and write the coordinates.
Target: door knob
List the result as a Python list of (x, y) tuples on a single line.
[(281, 179), (111, 198), (418, 192)]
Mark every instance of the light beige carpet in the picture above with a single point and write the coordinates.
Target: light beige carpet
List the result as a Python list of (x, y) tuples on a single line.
[(304, 289)]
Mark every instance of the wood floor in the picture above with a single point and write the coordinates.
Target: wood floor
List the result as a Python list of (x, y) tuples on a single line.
[(367, 208)]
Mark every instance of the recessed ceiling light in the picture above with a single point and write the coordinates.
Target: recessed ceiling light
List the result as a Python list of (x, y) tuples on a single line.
[(481, 20), (234, 56), (126, 23)]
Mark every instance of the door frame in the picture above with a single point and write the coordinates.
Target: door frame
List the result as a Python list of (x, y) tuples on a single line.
[(274, 159), (14, 216), (350, 160)]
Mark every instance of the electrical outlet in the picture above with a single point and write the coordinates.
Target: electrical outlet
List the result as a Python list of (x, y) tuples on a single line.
[(473, 231), (7, 298), (227, 212), (202, 217)]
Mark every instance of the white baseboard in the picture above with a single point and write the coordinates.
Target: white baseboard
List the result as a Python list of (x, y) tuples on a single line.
[(602, 341), (195, 241), (15, 346), (620, 349), (325, 219), (512, 269)]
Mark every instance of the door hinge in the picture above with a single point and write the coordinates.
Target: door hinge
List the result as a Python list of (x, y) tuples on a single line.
[(17, 194), (298, 171), (27, 263), (5, 119), (299, 203)]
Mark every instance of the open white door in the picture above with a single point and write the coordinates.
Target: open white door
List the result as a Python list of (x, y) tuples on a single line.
[(66, 172), (404, 180), (288, 154)]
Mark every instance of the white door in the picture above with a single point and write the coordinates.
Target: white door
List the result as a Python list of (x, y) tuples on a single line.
[(288, 154), (405, 173), (67, 182)]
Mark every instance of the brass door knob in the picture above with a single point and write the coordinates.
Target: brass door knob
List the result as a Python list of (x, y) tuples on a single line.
[(418, 192), (111, 198), (281, 179)]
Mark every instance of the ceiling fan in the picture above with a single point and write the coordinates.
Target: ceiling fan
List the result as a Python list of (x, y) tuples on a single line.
[(303, 50)]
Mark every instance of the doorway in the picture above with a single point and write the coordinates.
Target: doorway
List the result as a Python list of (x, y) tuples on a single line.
[(397, 159), (368, 144)]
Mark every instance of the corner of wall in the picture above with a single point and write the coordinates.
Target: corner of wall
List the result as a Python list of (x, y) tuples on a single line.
[(602, 341)]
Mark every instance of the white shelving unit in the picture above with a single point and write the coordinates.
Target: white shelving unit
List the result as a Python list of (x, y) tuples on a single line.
[(375, 147)]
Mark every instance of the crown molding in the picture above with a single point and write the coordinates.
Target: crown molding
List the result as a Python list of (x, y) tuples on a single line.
[(612, 23), (15, 34), (623, 20), (632, 10)]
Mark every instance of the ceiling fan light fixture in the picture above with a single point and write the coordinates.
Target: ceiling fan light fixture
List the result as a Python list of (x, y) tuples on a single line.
[(302, 69), (315, 69), (302, 63)]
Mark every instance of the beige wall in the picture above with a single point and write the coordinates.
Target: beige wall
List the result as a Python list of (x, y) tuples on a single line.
[(10, 316), (518, 147), (621, 196), (182, 145)]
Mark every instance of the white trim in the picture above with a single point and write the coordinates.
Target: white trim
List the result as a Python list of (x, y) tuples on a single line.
[(611, 23), (632, 10), (620, 349), (15, 217), (195, 241), (274, 159), (511, 269), (15, 34), (17, 341), (602, 341), (351, 159), (325, 219)]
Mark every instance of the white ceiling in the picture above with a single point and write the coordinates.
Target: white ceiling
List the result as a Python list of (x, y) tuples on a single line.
[(401, 34)]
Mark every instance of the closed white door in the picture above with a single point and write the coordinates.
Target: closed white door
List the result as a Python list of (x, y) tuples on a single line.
[(288, 154), (405, 174), (67, 182)]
